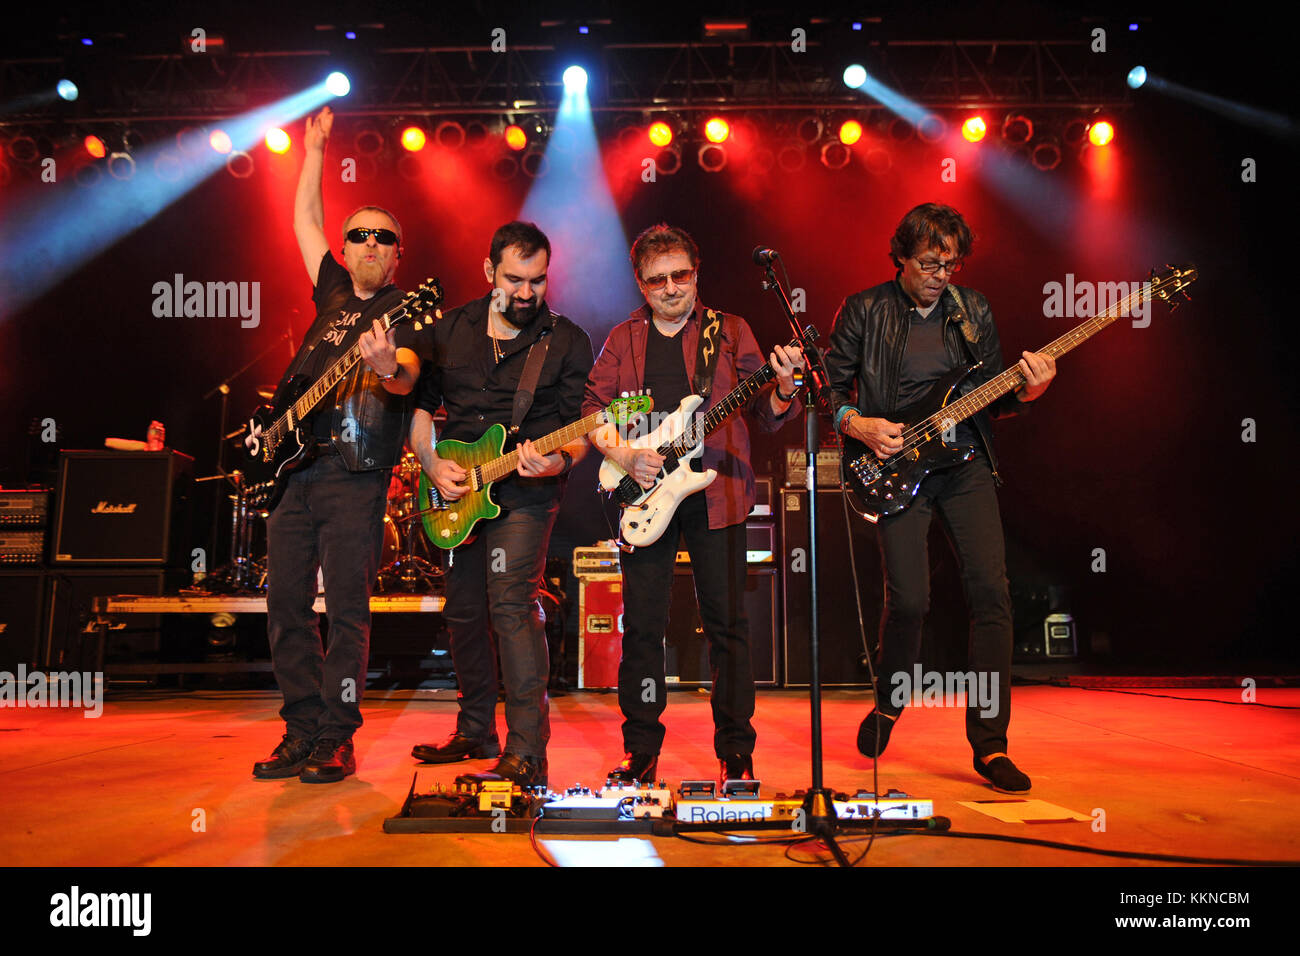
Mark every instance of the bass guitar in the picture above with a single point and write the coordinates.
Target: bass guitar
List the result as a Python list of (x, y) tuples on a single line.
[(680, 439), (449, 523), (278, 440), (878, 488)]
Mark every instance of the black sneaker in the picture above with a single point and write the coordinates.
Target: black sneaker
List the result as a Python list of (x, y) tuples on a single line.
[(330, 762), (1003, 775), (286, 760)]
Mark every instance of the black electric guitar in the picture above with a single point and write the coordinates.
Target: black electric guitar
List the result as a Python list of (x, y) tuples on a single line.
[(278, 440), (879, 488)]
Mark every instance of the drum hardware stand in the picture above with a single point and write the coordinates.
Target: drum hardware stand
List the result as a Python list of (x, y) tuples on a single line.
[(408, 572)]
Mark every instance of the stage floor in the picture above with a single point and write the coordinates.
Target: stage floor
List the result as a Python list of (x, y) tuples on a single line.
[(1204, 775)]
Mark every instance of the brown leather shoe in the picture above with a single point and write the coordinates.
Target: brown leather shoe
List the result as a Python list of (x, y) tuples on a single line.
[(286, 760), (330, 762)]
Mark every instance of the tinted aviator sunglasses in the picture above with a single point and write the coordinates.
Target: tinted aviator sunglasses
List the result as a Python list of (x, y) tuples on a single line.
[(680, 277), (385, 237)]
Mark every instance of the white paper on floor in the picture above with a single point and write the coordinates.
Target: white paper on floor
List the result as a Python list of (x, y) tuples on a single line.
[(1017, 810), (625, 851)]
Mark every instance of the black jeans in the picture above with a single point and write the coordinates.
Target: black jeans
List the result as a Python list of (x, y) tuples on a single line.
[(331, 519), (718, 565), (966, 499), (495, 580)]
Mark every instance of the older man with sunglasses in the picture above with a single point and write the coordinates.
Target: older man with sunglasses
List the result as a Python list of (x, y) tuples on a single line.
[(331, 515)]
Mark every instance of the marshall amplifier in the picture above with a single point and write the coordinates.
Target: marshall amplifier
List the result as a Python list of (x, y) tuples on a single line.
[(122, 508)]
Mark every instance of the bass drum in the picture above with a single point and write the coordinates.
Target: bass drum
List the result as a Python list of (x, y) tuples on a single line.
[(392, 543)]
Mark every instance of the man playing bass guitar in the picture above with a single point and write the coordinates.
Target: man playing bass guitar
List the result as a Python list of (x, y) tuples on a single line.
[(890, 345)]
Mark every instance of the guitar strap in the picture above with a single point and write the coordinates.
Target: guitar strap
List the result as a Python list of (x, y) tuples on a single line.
[(706, 358), (968, 330), (528, 378)]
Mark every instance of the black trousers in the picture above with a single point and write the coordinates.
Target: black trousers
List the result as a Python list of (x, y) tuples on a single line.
[(331, 519), (494, 582), (966, 499), (718, 565)]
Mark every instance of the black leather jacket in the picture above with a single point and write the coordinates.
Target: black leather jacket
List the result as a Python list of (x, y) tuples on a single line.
[(870, 337)]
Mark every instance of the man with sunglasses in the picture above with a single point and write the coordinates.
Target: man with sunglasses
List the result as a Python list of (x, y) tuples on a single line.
[(482, 353), (331, 515), (675, 346), (890, 345)]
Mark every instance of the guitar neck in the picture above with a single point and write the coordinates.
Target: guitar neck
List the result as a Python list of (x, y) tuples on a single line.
[(498, 468), (337, 372), (735, 400), (980, 398)]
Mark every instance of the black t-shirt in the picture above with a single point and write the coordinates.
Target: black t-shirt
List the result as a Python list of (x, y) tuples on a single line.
[(665, 369), (338, 326), (925, 361)]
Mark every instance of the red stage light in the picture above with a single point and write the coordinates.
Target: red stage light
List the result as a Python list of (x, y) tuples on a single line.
[(220, 141), (413, 139), (850, 132), (1100, 133), (95, 147), (716, 130), (516, 138), (660, 133), (974, 129), (277, 140)]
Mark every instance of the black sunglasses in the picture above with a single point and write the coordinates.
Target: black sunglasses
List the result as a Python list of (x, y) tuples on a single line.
[(385, 237)]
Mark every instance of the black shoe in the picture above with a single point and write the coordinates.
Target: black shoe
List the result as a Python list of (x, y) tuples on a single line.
[(635, 768), (525, 771), (734, 767), (330, 762), (458, 747), (869, 745), (1003, 775), (286, 760)]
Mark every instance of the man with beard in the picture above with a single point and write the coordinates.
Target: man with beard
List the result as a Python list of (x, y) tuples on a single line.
[(479, 354), (331, 515)]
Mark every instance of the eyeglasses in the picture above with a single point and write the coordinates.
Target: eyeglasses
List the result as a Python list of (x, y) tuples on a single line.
[(680, 277), (930, 268), (385, 237)]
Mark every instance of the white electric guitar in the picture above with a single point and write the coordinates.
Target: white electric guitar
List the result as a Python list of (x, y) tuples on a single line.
[(680, 439)]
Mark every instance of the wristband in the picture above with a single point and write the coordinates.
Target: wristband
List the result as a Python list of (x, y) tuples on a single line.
[(568, 462), (786, 399), (391, 377), (844, 413)]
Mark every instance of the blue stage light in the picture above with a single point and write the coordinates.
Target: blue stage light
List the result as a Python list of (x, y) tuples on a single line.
[(67, 90), (337, 84), (351, 34), (855, 76), (575, 79), (1137, 76)]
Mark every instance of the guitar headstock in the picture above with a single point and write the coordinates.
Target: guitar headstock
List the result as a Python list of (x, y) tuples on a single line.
[(626, 407), (418, 302), (808, 337), (1173, 281)]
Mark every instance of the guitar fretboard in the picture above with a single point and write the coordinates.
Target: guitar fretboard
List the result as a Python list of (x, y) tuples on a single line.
[(988, 393), (498, 468)]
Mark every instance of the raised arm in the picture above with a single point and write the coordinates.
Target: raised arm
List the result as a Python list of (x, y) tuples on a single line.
[(308, 202)]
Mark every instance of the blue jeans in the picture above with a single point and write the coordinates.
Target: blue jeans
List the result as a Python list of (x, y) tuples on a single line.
[(331, 519), (494, 582)]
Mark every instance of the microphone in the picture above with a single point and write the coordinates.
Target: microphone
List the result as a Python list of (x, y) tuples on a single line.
[(765, 257)]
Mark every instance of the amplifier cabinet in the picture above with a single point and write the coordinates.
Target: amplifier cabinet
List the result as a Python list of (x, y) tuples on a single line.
[(123, 508), (686, 650), (65, 643), (21, 613), (840, 636), (600, 628)]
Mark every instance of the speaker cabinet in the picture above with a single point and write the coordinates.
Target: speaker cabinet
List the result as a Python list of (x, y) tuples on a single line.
[(66, 645), (840, 636), (123, 508), (21, 614), (686, 650)]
